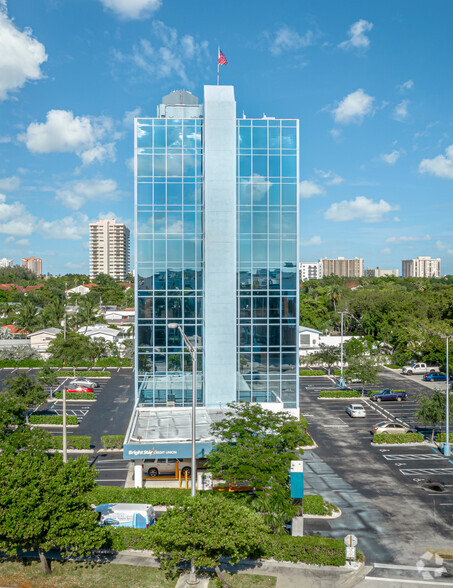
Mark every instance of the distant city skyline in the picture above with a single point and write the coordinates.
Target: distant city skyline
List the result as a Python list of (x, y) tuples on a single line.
[(369, 86)]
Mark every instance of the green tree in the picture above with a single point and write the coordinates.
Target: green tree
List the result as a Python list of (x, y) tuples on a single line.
[(205, 529), (29, 391), (364, 369), (47, 376), (254, 445), (276, 507), (432, 409), (328, 355), (72, 350), (27, 318), (43, 505)]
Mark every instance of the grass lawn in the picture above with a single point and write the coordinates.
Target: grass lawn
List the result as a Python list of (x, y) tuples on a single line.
[(28, 574)]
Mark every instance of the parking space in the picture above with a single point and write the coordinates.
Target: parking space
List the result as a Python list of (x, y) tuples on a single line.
[(111, 467)]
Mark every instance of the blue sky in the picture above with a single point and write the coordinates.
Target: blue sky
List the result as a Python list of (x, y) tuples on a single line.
[(370, 82)]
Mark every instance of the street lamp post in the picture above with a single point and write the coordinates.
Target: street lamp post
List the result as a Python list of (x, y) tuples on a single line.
[(193, 354), (447, 450), (342, 382)]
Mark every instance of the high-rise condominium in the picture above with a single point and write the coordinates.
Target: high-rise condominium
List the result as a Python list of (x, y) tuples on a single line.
[(216, 242), (109, 249), (422, 267), (34, 264), (348, 268)]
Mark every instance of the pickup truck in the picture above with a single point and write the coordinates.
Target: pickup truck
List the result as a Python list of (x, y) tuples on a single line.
[(387, 394), (419, 368)]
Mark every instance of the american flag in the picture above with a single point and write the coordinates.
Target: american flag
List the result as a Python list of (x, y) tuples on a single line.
[(222, 59)]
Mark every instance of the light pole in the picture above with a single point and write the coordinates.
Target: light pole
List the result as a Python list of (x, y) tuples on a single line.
[(192, 580), (447, 450), (342, 382)]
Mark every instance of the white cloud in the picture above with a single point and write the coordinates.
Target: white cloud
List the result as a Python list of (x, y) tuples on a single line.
[(361, 208), (286, 39), (400, 111), (75, 194), (73, 228), (171, 58), (132, 9), (9, 184), (21, 55), (129, 115), (386, 251), (331, 178), (396, 219), (406, 85), (5, 139), (407, 239), (440, 166), (446, 248), (391, 158), (307, 189), (64, 132), (353, 108), (130, 164), (23, 242), (15, 219), (336, 133), (315, 240), (357, 38)]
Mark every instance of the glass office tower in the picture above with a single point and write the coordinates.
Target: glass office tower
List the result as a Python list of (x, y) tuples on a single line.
[(216, 251)]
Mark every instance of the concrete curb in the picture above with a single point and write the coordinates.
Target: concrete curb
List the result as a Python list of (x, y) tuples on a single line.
[(415, 444), (69, 400), (48, 426)]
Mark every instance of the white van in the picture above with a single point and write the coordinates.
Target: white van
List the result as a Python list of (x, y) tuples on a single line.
[(121, 514)]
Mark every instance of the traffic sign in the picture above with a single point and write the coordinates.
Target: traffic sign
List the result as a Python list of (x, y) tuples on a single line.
[(350, 541)]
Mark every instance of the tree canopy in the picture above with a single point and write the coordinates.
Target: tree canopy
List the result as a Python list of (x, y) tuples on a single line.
[(254, 445)]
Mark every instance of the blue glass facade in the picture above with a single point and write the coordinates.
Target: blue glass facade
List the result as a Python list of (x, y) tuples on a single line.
[(267, 179), (169, 269), (170, 241)]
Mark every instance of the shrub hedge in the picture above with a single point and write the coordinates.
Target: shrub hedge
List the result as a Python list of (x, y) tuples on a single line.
[(112, 441), (394, 366), (339, 394), (113, 362), (397, 438), (321, 551), (312, 372), (51, 419), (311, 550), (442, 437), (337, 372), (316, 505), (154, 496), (303, 422), (76, 395), (93, 374), (306, 439), (313, 504), (73, 442)]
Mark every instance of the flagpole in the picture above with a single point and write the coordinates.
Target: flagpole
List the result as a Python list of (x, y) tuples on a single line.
[(218, 64)]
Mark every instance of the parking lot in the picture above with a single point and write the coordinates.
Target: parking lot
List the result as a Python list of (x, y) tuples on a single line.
[(412, 487), (109, 415)]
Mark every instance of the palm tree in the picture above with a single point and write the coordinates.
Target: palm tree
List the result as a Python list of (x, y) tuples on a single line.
[(87, 313), (28, 316), (334, 294)]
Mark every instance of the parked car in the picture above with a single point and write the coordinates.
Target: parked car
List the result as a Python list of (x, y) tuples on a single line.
[(76, 389), (138, 516), (83, 382), (387, 394), (162, 466), (390, 427), (356, 410), (434, 377), (419, 368)]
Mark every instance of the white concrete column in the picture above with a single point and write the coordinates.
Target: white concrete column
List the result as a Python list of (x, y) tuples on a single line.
[(138, 473), (219, 251)]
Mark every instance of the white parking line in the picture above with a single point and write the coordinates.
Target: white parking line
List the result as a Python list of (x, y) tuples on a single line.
[(413, 456), (401, 567), (427, 471)]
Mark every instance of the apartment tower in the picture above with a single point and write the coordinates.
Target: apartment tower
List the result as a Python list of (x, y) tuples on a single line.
[(109, 249)]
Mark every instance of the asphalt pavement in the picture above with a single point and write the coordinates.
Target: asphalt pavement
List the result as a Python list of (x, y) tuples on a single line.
[(397, 500)]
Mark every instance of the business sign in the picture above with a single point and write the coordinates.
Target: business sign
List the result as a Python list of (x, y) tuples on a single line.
[(164, 450), (297, 479)]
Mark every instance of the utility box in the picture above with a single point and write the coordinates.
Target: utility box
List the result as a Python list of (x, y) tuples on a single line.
[(297, 479)]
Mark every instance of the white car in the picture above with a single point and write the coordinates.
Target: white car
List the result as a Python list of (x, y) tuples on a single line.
[(356, 410), (83, 382), (389, 427)]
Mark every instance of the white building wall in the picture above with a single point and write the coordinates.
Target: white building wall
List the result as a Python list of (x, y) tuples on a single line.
[(219, 245)]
